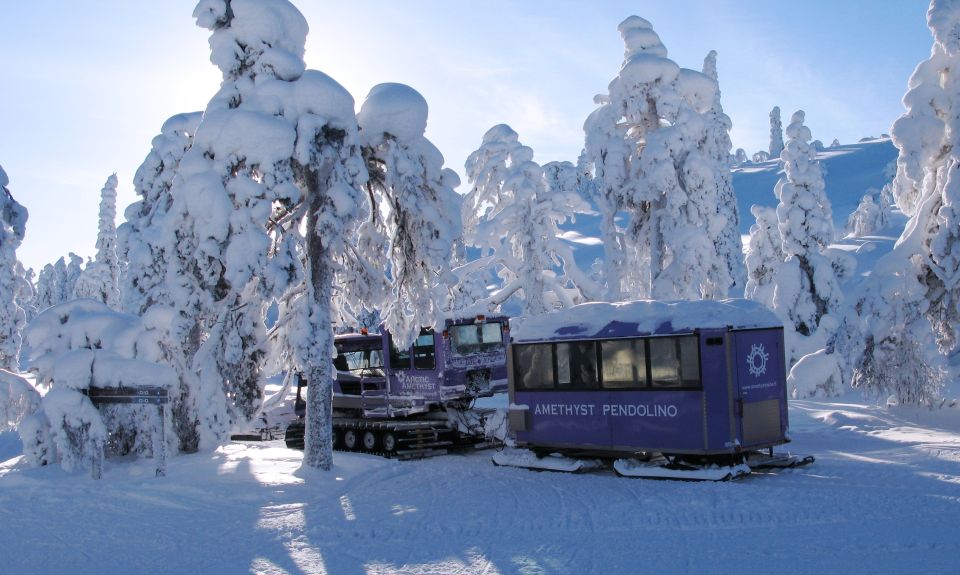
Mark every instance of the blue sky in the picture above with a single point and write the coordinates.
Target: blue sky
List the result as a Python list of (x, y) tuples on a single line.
[(87, 85)]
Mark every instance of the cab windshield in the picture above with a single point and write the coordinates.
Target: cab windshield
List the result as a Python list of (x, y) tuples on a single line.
[(364, 361), (468, 339)]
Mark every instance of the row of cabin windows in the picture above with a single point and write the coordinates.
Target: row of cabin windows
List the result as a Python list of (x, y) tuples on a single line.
[(423, 352), (660, 363)]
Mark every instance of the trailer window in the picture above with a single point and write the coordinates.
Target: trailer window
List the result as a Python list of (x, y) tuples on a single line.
[(689, 361), (577, 364), (674, 362), (424, 355), (623, 363), (533, 366), (467, 339)]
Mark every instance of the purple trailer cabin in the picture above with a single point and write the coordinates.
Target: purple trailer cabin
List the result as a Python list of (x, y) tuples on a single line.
[(698, 378)]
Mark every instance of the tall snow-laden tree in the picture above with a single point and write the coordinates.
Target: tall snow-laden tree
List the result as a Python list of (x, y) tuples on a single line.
[(927, 186), (143, 241), (100, 280), (412, 196), (725, 223), (156, 243), (807, 287), (13, 221), (48, 284), (518, 232), (26, 291), (764, 256), (72, 275), (487, 169), (57, 282), (776, 133), (908, 312), (647, 144), (297, 133), (164, 278), (236, 170)]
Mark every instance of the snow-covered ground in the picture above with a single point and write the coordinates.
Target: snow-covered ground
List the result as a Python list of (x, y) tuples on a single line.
[(882, 497)]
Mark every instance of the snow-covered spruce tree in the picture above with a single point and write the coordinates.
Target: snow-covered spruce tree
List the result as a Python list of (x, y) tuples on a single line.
[(411, 198), (26, 291), (100, 280), (927, 186), (486, 170), (908, 316), (519, 230), (57, 282), (760, 157), (315, 182), (807, 287), (776, 133), (764, 256), (13, 220), (143, 240), (74, 270), (725, 223), (872, 214), (646, 144), (893, 348), (157, 250), (236, 170), (49, 284)]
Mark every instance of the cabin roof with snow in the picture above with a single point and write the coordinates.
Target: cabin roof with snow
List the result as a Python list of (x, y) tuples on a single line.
[(641, 318)]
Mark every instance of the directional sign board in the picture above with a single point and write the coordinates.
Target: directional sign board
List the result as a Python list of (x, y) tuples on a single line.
[(141, 395)]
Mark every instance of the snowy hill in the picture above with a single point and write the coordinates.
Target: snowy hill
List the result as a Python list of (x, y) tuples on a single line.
[(850, 172)]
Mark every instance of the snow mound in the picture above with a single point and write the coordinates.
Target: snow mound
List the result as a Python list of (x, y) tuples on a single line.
[(83, 341), (318, 94), (395, 109), (500, 133), (647, 68)]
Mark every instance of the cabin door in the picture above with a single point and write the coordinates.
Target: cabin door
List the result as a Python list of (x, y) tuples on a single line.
[(760, 384)]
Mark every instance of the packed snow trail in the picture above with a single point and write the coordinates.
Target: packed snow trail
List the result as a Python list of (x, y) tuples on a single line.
[(882, 497)]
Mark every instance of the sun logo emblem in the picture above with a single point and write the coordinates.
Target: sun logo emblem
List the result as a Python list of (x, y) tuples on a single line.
[(757, 360)]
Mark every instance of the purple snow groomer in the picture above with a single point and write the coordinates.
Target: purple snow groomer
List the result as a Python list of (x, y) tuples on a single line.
[(693, 390), (415, 401)]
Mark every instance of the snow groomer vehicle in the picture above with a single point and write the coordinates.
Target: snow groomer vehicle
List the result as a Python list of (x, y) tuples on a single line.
[(417, 401), (689, 390)]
